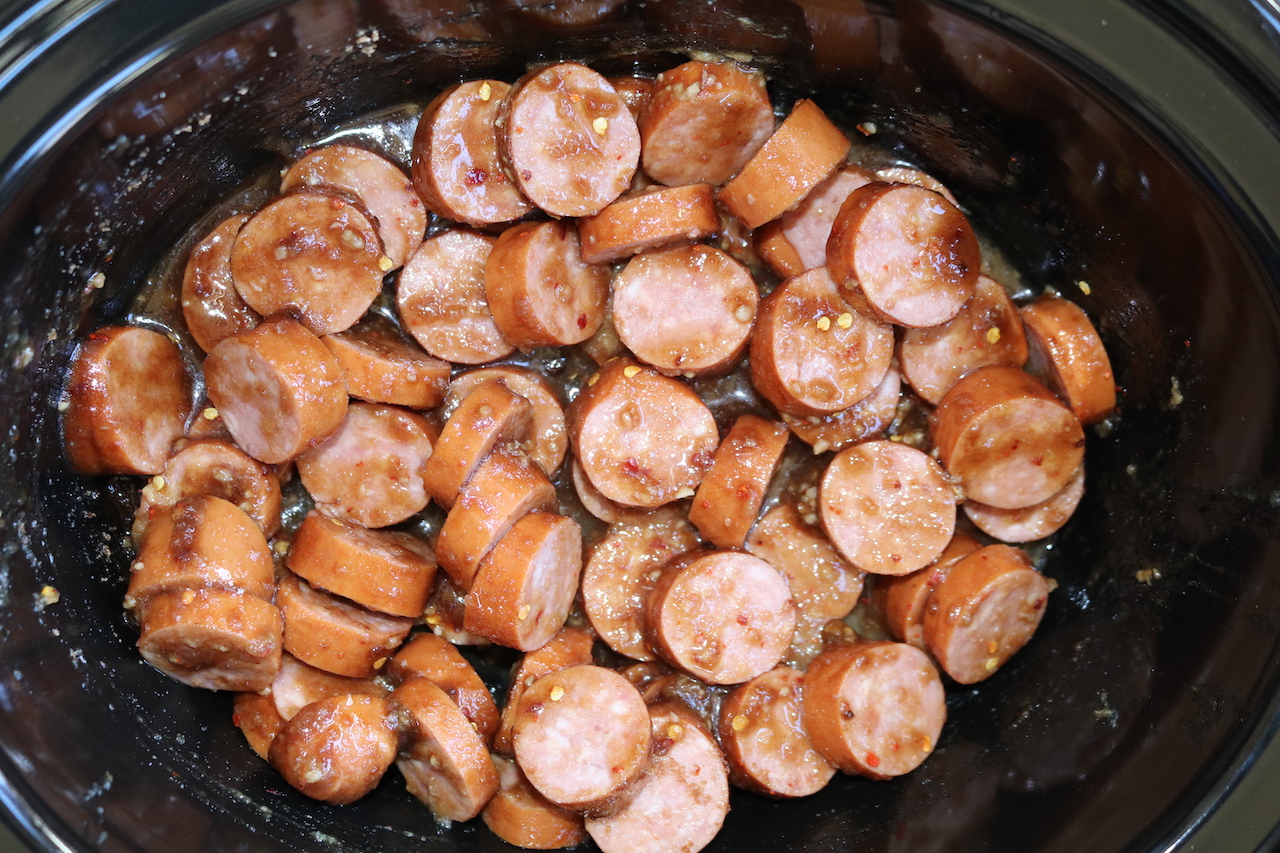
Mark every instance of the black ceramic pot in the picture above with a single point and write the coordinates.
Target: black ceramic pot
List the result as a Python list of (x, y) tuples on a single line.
[(1133, 146)]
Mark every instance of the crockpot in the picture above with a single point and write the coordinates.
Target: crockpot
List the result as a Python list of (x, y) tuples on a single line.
[(1126, 154)]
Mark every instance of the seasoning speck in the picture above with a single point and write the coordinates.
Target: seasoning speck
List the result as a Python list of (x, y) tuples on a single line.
[(993, 335), (630, 371), (824, 323), (600, 125), (1084, 287), (486, 91), (557, 693)]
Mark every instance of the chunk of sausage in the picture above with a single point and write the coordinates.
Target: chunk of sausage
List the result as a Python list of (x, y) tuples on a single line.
[(796, 242), (211, 305), (610, 512), (381, 366), (728, 501), (866, 420), (547, 439), (488, 416), (335, 634), (297, 685), (439, 661), (634, 91), (654, 218), (570, 647), (910, 175), (903, 598), (1069, 357), (255, 715), (519, 815), (1030, 523), (336, 750)]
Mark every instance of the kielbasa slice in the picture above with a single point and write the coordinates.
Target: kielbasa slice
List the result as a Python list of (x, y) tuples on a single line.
[(903, 598), (519, 815), (862, 421), (297, 685), (439, 661), (728, 501), (654, 218), (796, 242), (1068, 355), (336, 750), (1028, 524), (211, 305), (488, 416), (255, 715), (547, 439), (910, 175), (335, 634), (381, 366), (570, 647), (610, 512)]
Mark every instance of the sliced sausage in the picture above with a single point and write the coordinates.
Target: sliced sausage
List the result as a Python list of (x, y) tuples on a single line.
[(729, 499), (610, 512), (1007, 438), (381, 366), (519, 815), (888, 507), (903, 598), (335, 634), (723, 616), (370, 470), (277, 388), (440, 297), (547, 440), (128, 399), (796, 242), (655, 218), (802, 153), (875, 709), (439, 661), (525, 586), (539, 289), (685, 310), (211, 305), (634, 91), (581, 736), (570, 647), (904, 254), (985, 609), (812, 353), (909, 175), (567, 139), (255, 715), (862, 421), (488, 416), (643, 439), (703, 122), (1068, 355), (313, 254), (336, 750), (383, 570), (297, 685), (1029, 523)]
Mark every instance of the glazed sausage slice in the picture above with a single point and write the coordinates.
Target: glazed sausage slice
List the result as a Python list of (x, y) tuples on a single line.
[(987, 330), (277, 388), (1029, 523), (904, 254), (439, 661), (985, 609), (812, 353), (1007, 438), (370, 470), (547, 440), (445, 762), (887, 507), (875, 709), (441, 300), (297, 685), (381, 366), (211, 305), (378, 183), (796, 242), (682, 801), (312, 254), (525, 586), (804, 150), (519, 815), (685, 310), (862, 421), (729, 499), (539, 289), (335, 634), (643, 439), (1069, 356), (655, 218), (610, 512), (703, 121), (581, 736), (910, 175), (903, 598), (567, 139), (336, 750), (128, 399), (255, 715), (455, 157), (383, 570), (762, 732), (570, 647), (488, 416), (723, 616)]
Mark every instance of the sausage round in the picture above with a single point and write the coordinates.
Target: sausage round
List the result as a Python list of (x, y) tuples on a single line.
[(211, 305), (336, 750), (255, 715), (1029, 523), (488, 416), (728, 501), (297, 685), (654, 218), (865, 420), (903, 598), (439, 661), (381, 366), (335, 634), (519, 815), (547, 439), (796, 242), (1070, 357), (570, 647)]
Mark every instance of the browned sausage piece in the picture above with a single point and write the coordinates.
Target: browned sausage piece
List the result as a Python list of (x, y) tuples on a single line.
[(1068, 355), (504, 487), (903, 598), (634, 91), (127, 402), (383, 570), (804, 150), (654, 218), (812, 353), (1007, 438), (904, 254), (455, 157), (445, 613), (277, 388), (439, 661), (568, 139), (485, 417), (445, 762), (440, 297), (987, 330), (610, 512), (525, 586), (370, 470), (887, 507), (875, 709), (643, 439), (682, 801), (729, 499), (211, 305), (539, 289), (823, 584), (381, 366), (1029, 523), (570, 647), (378, 183), (703, 122), (297, 685), (255, 715), (212, 638), (519, 815), (685, 310), (908, 175), (797, 241), (337, 750), (621, 571), (313, 254), (762, 732), (723, 616), (581, 736), (548, 434), (335, 634), (865, 420), (985, 609)]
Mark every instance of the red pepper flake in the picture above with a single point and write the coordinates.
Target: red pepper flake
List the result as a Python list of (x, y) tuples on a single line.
[(476, 177), (582, 321), (873, 760)]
